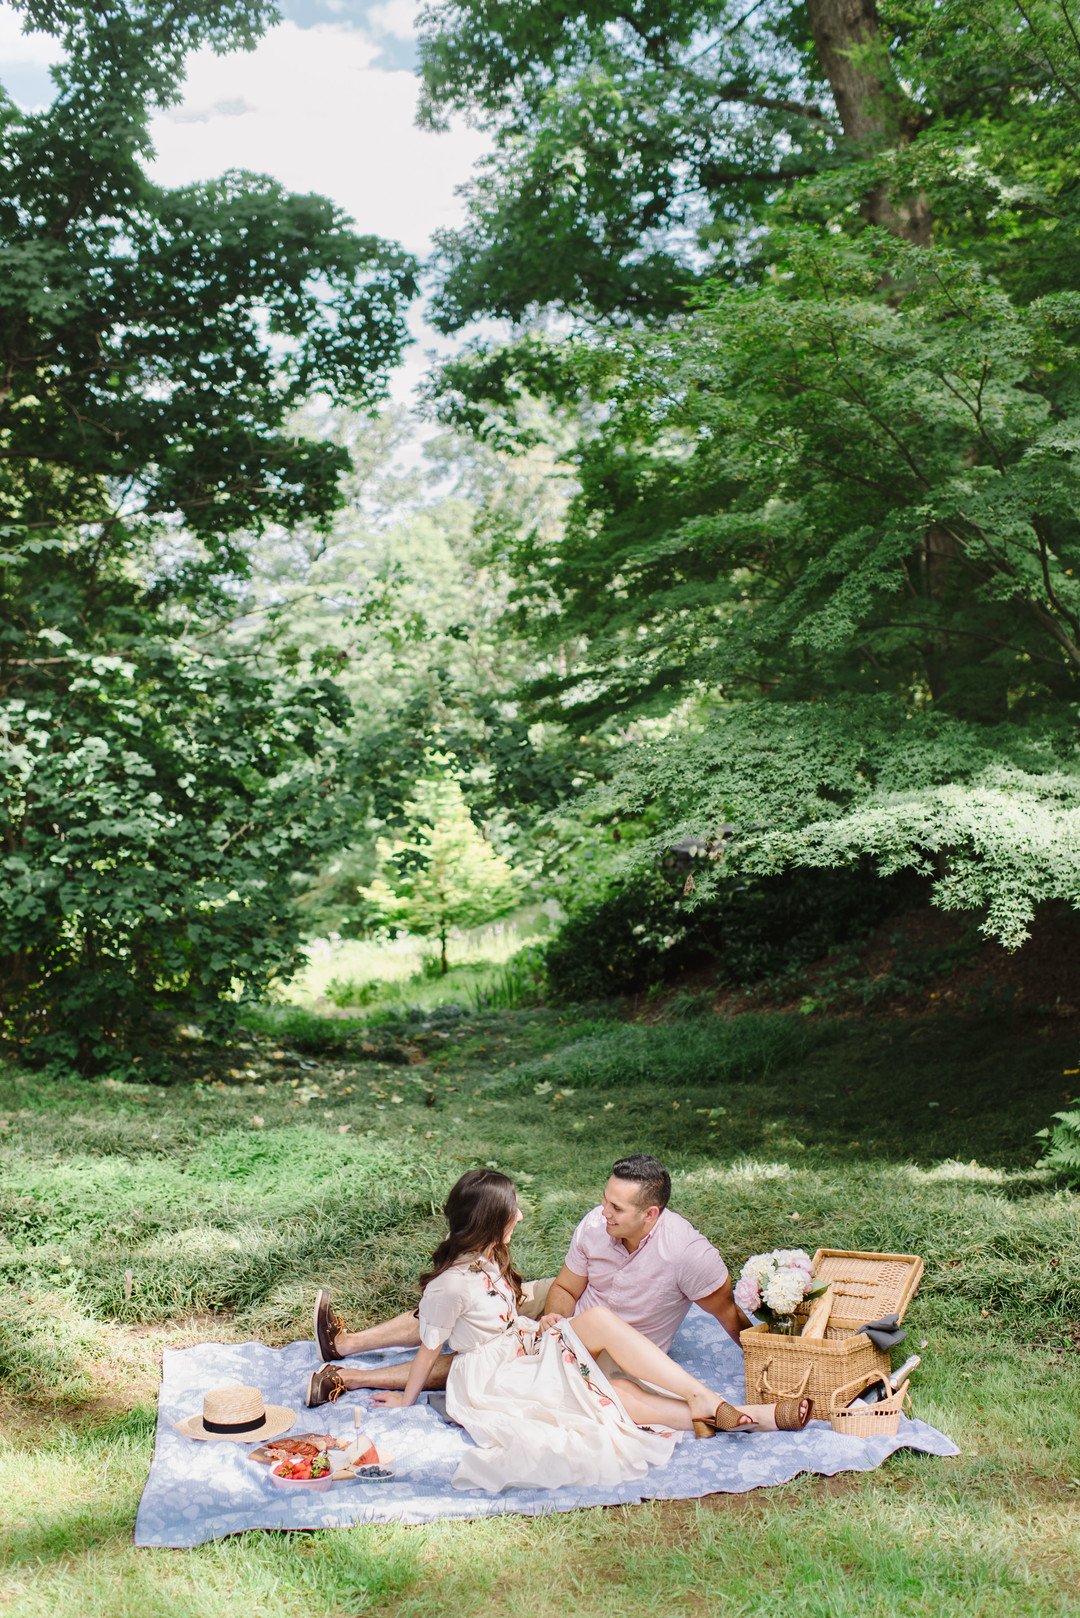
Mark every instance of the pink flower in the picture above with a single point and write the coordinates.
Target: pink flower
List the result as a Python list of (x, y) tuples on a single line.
[(747, 1293)]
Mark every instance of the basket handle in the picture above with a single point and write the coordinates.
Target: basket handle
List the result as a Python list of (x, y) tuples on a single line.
[(842, 1397), (784, 1393), (851, 1390)]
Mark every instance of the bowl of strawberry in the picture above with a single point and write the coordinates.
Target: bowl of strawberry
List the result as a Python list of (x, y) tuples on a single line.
[(303, 1472)]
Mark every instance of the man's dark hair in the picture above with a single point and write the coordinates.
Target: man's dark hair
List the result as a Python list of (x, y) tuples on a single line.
[(651, 1176)]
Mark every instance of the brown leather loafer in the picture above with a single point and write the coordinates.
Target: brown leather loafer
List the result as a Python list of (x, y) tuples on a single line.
[(327, 1325), (324, 1386)]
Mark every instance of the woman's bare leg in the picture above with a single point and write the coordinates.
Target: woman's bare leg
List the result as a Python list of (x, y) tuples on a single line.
[(600, 1329), (652, 1409)]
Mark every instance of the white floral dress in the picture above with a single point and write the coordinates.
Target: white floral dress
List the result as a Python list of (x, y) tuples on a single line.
[(540, 1411)]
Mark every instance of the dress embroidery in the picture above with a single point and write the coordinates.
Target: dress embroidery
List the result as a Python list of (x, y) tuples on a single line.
[(501, 1292), (570, 1358)]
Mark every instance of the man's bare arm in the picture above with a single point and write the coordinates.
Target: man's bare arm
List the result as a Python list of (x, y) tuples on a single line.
[(722, 1306), (564, 1292)]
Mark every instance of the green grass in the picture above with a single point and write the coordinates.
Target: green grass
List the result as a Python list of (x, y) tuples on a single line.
[(135, 1217), (490, 967)]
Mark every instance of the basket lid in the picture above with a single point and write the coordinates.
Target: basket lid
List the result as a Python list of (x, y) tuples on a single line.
[(866, 1286)]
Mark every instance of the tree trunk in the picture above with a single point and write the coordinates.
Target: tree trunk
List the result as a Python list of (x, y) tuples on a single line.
[(876, 117), (444, 964), (873, 109)]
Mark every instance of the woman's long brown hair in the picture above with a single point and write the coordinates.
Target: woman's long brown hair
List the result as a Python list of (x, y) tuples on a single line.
[(478, 1210)]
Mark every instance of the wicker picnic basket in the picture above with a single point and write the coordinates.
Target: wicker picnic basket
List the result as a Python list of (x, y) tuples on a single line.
[(867, 1421), (865, 1287)]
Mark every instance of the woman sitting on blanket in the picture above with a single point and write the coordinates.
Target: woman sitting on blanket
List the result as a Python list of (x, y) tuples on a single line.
[(530, 1394)]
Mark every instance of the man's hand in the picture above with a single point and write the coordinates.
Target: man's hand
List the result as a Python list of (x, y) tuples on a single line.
[(391, 1398), (550, 1320)]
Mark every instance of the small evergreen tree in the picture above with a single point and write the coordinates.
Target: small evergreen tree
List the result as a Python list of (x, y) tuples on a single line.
[(440, 872)]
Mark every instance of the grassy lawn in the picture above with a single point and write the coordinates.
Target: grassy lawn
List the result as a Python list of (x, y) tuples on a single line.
[(135, 1217)]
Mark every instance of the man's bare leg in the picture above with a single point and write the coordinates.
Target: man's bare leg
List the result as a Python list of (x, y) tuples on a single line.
[(404, 1330), (334, 1339), (393, 1376), (401, 1332), (329, 1382)]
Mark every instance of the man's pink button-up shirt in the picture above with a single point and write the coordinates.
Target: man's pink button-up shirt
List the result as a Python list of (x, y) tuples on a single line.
[(653, 1287)]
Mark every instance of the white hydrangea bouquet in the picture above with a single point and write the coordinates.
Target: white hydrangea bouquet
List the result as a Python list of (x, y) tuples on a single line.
[(772, 1286)]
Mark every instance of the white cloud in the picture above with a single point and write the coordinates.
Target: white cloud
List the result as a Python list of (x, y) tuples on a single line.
[(236, 108), (24, 50), (25, 60), (395, 17), (309, 106)]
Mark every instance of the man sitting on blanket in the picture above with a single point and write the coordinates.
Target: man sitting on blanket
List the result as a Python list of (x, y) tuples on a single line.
[(632, 1253)]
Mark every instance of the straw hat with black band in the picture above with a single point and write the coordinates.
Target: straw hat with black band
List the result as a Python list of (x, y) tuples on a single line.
[(238, 1415)]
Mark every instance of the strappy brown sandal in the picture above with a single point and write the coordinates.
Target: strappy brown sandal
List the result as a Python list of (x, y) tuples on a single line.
[(790, 1415)]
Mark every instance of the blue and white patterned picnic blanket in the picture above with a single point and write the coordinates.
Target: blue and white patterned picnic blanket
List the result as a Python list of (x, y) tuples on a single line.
[(200, 1491)]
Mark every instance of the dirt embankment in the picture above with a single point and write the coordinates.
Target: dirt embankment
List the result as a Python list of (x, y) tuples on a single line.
[(918, 961)]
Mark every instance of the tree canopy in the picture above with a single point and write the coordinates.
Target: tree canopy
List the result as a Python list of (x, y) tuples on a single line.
[(813, 279), (158, 787)]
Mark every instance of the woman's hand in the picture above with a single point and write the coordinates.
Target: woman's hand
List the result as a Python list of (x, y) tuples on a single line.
[(391, 1399)]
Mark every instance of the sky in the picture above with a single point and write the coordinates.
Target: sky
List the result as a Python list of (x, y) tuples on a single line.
[(326, 102)]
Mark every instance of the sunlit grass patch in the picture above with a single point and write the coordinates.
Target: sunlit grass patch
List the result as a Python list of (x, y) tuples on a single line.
[(48, 1346), (396, 974), (743, 1050), (746, 1170), (973, 1171)]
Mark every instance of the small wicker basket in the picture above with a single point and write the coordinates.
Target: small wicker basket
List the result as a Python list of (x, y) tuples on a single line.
[(867, 1421)]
